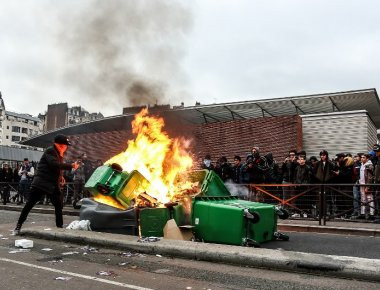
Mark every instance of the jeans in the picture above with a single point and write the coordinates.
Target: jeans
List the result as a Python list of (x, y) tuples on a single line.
[(23, 189), (35, 196), (356, 194)]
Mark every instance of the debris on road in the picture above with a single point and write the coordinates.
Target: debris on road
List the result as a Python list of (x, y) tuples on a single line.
[(24, 243), (90, 249), (55, 261), (46, 249), (70, 253), (123, 263), (107, 273), (148, 240), (47, 229), (161, 271), (158, 256), (19, 251), (83, 225), (63, 278), (4, 238)]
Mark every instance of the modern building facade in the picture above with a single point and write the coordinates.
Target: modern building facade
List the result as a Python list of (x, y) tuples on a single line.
[(338, 122)]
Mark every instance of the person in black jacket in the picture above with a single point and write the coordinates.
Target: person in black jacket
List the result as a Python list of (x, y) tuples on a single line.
[(49, 180), (6, 177)]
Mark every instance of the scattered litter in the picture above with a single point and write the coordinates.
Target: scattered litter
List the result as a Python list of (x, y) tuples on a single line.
[(85, 253), (24, 243), (108, 259), (83, 225), (90, 249), (4, 238), (161, 271), (158, 256), (148, 240), (107, 273), (126, 254), (46, 249), (189, 288), (69, 253), (141, 255), (19, 251), (134, 267), (63, 278), (47, 229), (55, 261), (123, 263), (1, 236), (33, 222)]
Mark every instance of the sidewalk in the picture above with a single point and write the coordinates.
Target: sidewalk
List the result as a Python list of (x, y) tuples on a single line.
[(328, 265), (343, 227)]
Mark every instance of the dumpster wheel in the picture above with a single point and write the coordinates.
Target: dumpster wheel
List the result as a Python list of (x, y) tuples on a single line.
[(280, 236), (282, 213), (251, 243)]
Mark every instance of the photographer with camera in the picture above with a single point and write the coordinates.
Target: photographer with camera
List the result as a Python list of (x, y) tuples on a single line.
[(26, 174)]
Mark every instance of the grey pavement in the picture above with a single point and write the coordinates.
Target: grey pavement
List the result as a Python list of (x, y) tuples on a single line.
[(238, 276)]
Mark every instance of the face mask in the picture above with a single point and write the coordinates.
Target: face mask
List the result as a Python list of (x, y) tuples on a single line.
[(207, 162)]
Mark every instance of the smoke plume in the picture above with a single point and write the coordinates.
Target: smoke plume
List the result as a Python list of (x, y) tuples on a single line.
[(124, 52)]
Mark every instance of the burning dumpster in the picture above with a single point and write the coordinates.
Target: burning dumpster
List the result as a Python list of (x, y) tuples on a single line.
[(153, 182)]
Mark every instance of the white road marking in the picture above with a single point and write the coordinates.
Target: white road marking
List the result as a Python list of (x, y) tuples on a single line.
[(75, 274)]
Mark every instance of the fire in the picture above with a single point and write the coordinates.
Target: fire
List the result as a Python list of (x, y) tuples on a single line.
[(159, 158), (108, 201)]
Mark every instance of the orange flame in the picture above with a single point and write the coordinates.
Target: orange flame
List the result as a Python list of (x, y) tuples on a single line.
[(108, 201), (156, 156)]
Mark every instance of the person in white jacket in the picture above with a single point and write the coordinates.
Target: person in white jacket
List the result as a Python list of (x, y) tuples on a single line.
[(366, 178), (26, 174)]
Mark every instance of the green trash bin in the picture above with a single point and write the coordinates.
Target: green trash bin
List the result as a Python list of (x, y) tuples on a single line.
[(210, 183), (228, 220), (106, 180), (153, 221)]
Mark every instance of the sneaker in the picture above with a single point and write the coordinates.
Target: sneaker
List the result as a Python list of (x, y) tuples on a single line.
[(16, 231)]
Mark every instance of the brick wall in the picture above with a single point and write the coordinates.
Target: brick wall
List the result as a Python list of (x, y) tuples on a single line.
[(271, 134)]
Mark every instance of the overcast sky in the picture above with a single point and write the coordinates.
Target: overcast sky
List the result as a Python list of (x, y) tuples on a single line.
[(207, 51)]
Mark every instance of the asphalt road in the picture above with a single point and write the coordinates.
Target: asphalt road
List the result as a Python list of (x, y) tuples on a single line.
[(38, 268)]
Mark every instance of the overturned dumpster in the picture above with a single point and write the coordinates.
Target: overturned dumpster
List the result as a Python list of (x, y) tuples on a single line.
[(121, 204)]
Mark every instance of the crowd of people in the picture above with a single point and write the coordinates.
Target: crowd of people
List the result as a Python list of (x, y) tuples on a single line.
[(360, 174)]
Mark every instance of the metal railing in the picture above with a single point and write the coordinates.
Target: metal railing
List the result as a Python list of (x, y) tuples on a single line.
[(318, 201)]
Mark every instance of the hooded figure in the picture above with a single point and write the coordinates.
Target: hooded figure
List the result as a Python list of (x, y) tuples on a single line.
[(49, 180)]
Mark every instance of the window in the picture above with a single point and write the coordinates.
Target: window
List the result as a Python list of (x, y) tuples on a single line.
[(7, 137), (24, 130), (7, 127), (16, 129), (23, 138), (15, 138), (35, 123)]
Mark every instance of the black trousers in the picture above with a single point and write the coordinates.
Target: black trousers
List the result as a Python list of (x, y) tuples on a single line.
[(35, 196)]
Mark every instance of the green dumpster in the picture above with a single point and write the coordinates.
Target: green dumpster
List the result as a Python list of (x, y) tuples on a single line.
[(210, 183), (228, 220), (111, 181), (153, 221), (106, 180)]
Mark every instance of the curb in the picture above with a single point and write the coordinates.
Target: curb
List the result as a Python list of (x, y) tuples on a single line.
[(328, 265), (281, 227), (328, 230), (39, 210)]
